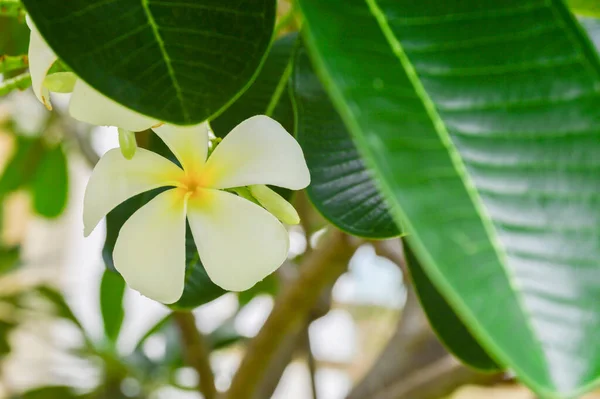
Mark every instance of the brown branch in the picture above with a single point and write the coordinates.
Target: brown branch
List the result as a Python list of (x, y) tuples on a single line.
[(196, 353), (292, 307)]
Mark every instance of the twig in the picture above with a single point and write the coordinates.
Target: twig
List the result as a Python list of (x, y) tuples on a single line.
[(12, 8), (13, 62), (196, 353), (320, 269), (20, 82), (312, 367)]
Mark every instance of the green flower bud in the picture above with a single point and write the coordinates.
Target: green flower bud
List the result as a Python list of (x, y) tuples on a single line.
[(60, 82), (275, 204), (127, 143)]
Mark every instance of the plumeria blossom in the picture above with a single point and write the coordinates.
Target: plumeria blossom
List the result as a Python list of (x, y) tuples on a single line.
[(239, 242), (86, 104)]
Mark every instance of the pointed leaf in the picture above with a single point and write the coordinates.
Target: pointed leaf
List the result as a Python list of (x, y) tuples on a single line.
[(479, 120), (50, 185), (112, 290)]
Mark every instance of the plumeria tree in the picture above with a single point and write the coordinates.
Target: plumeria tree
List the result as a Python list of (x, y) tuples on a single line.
[(466, 130)]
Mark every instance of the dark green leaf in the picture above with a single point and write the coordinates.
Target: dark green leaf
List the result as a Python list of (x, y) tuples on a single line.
[(224, 335), (9, 258), (112, 289), (445, 322), (50, 185), (341, 187), (268, 95), (180, 61), (480, 122)]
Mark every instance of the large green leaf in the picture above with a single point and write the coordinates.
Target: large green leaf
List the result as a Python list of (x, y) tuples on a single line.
[(449, 328), (480, 121), (268, 95), (199, 289), (50, 185), (341, 187), (112, 290), (179, 61)]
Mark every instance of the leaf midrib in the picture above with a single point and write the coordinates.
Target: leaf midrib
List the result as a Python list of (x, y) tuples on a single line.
[(458, 164), (166, 58)]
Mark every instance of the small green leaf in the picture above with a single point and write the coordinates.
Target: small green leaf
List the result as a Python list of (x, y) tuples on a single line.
[(50, 184), (50, 392), (268, 95), (445, 322), (588, 8), (341, 187), (179, 61), (112, 290)]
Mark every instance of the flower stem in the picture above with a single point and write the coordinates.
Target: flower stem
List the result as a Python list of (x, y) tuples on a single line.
[(196, 352), (20, 82), (320, 269)]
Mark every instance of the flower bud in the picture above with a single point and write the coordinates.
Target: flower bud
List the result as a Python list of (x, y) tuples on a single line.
[(275, 204), (127, 143), (60, 82)]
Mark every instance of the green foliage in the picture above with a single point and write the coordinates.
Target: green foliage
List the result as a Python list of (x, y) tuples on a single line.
[(589, 8), (446, 323), (486, 154), (268, 95), (50, 183), (155, 57), (112, 290), (341, 187)]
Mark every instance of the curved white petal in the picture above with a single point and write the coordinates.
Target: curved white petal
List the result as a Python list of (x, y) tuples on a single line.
[(116, 179), (188, 143), (258, 151), (150, 249), (89, 105), (239, 242), (41, 58)]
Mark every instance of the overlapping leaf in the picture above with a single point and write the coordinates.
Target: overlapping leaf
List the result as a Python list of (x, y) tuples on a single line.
[(480, 121)]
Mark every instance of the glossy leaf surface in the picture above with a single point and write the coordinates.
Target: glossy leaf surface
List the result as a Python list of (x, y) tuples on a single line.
[(341, 187), (178, 61), (480, 121)]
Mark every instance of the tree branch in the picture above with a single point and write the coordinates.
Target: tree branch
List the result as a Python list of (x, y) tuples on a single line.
[(292, 307), (196, 353)]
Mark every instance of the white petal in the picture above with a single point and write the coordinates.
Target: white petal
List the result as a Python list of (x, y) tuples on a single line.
[(41, 58), (150, 250), (239, 242), (188, 143), (258, 151), (89, 105), (116, 179)]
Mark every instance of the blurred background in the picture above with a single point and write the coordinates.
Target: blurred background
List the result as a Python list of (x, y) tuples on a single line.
[(70, 329)]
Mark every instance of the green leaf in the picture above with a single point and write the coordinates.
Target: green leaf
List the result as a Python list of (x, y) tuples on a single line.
[(61, 306), (448, 327), (112, 290), (268, 95), (50, 185), (480, 123), (180, 61), (588, 8), (199, 289), (50, 392), (269, 286), (22, 166), (341, 187)]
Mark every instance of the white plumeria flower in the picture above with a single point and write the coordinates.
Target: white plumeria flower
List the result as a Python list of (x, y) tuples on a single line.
[(239, 242), (86, 104)]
